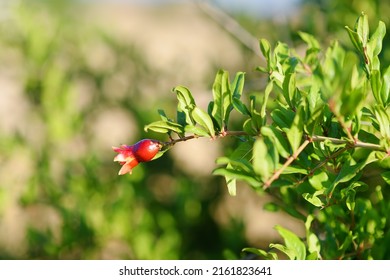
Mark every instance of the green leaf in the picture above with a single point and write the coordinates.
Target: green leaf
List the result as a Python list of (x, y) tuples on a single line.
[(203, 119), (278, 140), (267, 92), (293, 170), (197, 130), (240, 164), (355, 39), (374, 46), (319, 180), (289, 89), (222, 98), (261, 253), (384, 121), (262, 160), (295, 249), (362, 28), (237, 174), (162, 114), (312, 241), (186, 104), (231, 184), (376, 85), (164, 127), (237, 87), (283, 117), (294, 134), (386, 177), (385, 90), (310, 40), (265, 48), (350, 169), (313, 198)]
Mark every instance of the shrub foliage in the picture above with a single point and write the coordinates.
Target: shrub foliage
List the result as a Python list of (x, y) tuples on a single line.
[(317, 139)]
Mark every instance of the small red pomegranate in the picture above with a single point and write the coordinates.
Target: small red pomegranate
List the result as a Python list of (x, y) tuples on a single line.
[(142, 151), (146, 149)]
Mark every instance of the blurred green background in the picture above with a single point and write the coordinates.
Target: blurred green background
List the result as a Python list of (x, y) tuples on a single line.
[(78, 78)]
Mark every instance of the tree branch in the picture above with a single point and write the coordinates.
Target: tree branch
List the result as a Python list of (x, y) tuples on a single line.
[(293, 157)]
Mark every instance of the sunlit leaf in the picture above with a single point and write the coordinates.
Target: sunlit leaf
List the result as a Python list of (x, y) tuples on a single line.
[(203, 119), (164, 127), (294, 248), (261, 253)]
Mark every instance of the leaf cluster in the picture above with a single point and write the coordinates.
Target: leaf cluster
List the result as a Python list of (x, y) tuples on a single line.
[(319, 132)]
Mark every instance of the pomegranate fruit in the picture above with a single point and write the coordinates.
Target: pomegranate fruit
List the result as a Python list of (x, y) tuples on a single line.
[(142, 151)]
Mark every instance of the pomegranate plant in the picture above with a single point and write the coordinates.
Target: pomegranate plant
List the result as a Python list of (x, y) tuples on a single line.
[(317, 139)]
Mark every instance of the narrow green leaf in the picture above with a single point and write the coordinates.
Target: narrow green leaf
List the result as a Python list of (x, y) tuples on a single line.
[(237, 85), (262, 161), (278, 140), (294, 134), (319, 180), (240, 107), (355, 39), (376, 85), (222, 98), (310, 40), (384, 121), (375, 44), (196, 130), (362, 28), (231, 184), (312, 241), (267, 92), (293, 170), (203, 119), (265, 48), (164, 127), (296, 249), (385, 90), (350, 169), (186, 104), (184, 96), (162, 114), (289, 88), (313, 198), (239, 164), (386, 177), (238, 174), (282, 117), (261, 253)]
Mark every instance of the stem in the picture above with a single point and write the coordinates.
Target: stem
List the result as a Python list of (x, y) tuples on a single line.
[(354, 144), (221, 135), (314, 138), (293, 157)]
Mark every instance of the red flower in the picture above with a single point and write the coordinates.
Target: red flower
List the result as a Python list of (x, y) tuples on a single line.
[(129, 156)]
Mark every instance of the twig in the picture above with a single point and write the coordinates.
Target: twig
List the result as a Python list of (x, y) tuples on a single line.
[(293, 157), (221, 135), (355, 144)]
